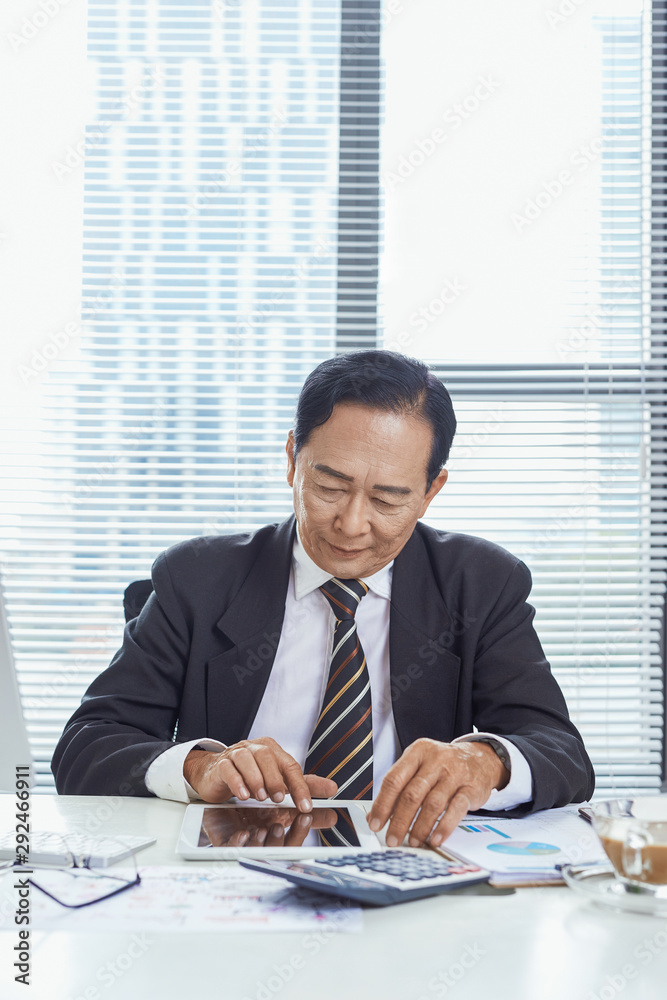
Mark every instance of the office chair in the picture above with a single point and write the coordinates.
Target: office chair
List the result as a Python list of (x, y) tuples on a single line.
[(135, 597)]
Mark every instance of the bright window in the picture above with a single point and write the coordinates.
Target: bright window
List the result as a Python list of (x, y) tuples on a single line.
[(200, 193)]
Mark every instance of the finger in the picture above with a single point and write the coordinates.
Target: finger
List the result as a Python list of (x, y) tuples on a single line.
[(269, 760), (275, 836), (257, 836), (409, 803), (244, 761), (320, 788), (296, 784), (432, 809), (298, 831), (237, 839), (220, 780), (266, 820), (458, 806), (323, 819), (395, 780)]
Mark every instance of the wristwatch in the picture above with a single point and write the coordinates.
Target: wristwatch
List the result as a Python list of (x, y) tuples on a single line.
[(499, 749)]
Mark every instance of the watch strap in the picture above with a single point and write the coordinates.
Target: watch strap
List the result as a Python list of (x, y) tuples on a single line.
[(500, 750)]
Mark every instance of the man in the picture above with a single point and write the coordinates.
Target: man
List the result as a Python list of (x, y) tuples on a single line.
[(350, 642)]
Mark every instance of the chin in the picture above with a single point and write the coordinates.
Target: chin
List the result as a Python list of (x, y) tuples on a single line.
[(350, 568)]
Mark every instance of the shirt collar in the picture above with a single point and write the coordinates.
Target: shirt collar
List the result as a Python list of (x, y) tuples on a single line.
[(308, 576)]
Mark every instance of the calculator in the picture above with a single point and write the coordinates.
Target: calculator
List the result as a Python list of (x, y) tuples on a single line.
[(378, 877), (85, 849)]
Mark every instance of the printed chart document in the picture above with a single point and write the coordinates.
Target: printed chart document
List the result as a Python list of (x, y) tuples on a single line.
[(206, 898), (528, 849)]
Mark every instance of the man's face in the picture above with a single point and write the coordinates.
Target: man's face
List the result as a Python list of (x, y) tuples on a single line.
[(359, 487)]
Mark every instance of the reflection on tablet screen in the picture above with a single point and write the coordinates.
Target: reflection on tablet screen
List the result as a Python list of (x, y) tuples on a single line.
[(244, 826)]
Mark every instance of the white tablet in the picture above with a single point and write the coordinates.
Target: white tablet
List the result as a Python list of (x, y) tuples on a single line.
[(234, 830)]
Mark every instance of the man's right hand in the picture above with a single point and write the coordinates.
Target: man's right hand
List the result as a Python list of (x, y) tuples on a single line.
[(258, 769)]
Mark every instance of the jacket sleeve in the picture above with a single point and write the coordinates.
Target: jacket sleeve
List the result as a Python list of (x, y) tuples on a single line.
[(516, 696), (129, 713)]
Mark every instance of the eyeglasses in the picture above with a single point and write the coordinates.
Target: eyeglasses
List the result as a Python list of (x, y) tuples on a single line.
[(72, 881)]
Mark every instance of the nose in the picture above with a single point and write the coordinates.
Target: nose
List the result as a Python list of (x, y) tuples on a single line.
[(353, 517)]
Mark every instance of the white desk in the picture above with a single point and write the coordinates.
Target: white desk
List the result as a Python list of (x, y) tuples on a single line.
[(532, 944)]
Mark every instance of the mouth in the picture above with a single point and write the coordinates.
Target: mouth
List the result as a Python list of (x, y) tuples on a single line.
[(345, 553)]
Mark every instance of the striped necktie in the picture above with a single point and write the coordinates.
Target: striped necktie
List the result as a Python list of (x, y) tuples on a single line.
[(341, 746)]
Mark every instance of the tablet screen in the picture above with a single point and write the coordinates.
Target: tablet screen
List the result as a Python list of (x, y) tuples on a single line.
[(249, 826)]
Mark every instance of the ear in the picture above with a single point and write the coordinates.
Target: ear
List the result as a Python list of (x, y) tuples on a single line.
[(435, 488), (291, 465)]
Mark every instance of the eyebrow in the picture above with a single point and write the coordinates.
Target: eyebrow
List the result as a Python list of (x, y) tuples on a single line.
[(396, 490)]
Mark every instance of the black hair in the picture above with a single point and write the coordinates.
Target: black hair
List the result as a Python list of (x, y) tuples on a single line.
[(382, 380)]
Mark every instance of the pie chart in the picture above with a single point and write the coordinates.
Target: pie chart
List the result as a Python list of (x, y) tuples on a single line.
[(523, 847)]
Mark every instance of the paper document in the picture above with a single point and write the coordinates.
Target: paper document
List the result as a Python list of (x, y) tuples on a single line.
[(520, 849), (207, 898)]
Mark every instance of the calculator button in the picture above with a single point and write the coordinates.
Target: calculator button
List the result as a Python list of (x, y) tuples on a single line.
[(395, 865)]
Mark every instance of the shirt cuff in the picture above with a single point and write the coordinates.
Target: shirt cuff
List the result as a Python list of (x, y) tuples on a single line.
[(164, 777), (518, 789)]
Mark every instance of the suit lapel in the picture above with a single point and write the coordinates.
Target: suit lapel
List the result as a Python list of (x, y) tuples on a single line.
[(251, 626), (424, 673)]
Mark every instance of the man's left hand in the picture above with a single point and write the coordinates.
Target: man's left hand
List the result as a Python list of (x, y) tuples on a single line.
[(431, 778)]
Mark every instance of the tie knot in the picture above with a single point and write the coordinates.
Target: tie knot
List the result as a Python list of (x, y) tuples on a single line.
[(344, 596)]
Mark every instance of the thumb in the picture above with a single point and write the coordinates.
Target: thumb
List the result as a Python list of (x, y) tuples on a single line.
[(320, 788)]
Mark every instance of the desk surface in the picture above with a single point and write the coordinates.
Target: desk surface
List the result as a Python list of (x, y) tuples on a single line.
[(530, 944)]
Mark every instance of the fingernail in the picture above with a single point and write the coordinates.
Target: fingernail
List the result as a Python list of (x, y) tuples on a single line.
[(261, 835), (261, 794), (435, 840), (413, 842), (243, 792), (243, 836), (374, 824), (305, 805), (277, 796), (392, 841), (305, 819)]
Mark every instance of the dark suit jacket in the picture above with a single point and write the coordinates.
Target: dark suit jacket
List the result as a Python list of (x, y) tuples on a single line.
[(196, 660)]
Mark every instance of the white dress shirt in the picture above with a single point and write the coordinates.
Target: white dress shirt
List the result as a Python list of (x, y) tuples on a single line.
[(293, 697)]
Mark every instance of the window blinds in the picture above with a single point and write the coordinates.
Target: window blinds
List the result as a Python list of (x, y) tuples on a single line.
[(228, 244), (231, 231), (559, 455)]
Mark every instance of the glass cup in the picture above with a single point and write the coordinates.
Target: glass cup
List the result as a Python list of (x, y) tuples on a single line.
[(633, 833)]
